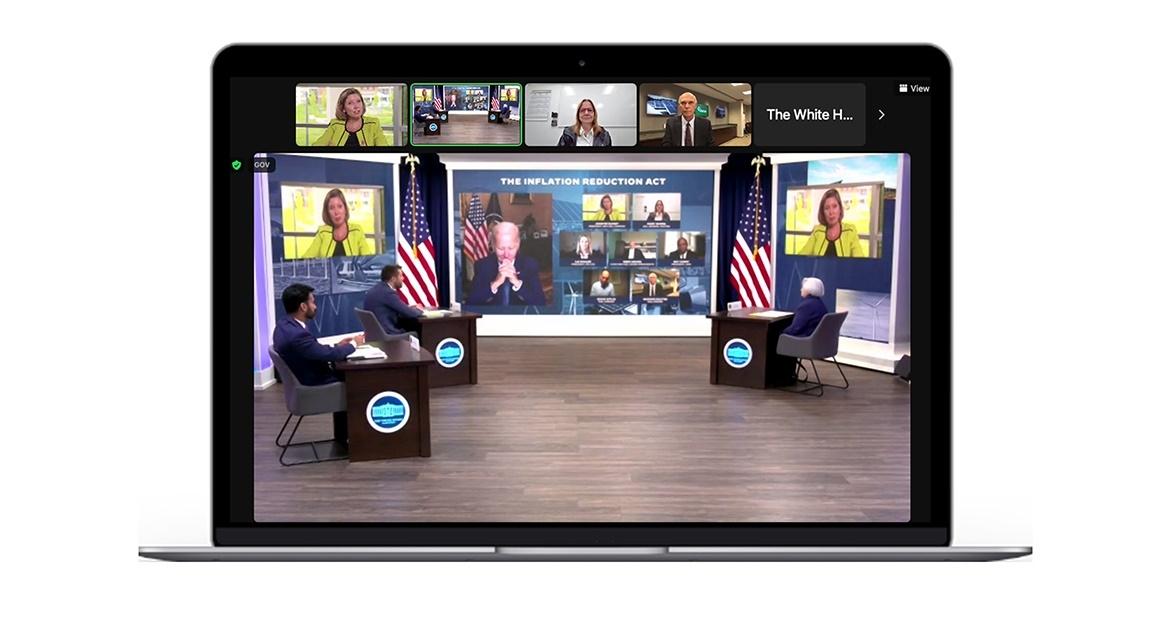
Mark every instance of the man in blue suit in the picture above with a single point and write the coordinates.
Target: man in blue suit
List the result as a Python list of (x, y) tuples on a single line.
[(308, 359), (382, 299), (506, 277)]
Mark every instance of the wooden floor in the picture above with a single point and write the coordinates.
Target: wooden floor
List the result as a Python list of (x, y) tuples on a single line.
[(613, 429), (471, 129)]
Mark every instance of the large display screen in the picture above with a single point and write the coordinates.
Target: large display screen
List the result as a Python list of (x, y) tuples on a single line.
[(583, 241), (321, 221)]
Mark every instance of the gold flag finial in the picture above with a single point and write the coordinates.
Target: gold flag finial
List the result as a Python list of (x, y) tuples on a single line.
[(757, 162), (412, 159)]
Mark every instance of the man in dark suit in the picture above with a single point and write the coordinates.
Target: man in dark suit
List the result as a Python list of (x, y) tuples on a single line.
[(654, 288), (308, 359), (683, 252), (628, 251), (382, 299), (686, 129), (506, 277)]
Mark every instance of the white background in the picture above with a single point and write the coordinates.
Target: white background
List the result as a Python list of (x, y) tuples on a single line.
[(1059, 414)]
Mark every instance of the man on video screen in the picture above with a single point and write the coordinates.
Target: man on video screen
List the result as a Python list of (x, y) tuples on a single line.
[(507, 277)]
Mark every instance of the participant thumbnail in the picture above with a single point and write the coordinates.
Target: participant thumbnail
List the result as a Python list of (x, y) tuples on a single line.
[(581, 115), (657, 210), (695, 115), (507, 253), (350, 115), (325, 221), (606, 211), (582, 248), (606, 286), (634, 249), (654, 286), (465, 114), (683, 249)]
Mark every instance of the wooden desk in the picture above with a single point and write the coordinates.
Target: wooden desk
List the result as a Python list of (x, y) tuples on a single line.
[(369, 407), (456, 334), (750, 343)]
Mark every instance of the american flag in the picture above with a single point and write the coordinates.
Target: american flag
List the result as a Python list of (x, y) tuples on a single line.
[(475, 236), (416, 252), (751, 258)]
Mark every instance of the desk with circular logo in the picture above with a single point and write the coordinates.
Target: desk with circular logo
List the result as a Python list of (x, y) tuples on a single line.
[(388, 403), (743, 347), (452, 338)]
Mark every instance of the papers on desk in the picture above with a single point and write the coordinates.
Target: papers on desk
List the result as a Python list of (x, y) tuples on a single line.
[(434, 314), (771, 314), (366, 352)]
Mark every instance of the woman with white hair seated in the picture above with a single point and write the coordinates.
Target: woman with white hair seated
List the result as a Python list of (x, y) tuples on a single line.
[(808, 314), (810, 310)]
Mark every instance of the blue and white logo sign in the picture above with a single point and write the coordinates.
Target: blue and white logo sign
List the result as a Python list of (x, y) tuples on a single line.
[(737, 353), (433, 126), (449, 353), (388, 412)]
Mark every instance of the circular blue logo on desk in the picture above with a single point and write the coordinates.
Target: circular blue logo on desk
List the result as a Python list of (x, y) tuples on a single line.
[(433, 126), (388, 412), (737, 353), (449, 353)]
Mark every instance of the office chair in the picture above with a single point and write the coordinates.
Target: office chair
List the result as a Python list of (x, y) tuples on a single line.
[(374, 330), (305, 400), (821, 344)]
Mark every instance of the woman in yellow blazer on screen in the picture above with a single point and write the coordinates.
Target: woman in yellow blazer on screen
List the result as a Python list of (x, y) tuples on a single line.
[(607, 212), (832, 237), (337, 237), (352, 127)]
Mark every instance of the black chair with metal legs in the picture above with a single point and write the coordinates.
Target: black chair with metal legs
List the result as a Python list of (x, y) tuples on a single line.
[(306, 400), (821, 344)]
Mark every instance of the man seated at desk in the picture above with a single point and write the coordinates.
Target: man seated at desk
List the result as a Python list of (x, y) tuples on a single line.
[(382, 299), (308, 359)]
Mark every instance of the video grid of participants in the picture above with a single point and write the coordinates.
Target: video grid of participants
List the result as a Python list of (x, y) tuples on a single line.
[(562, 115)]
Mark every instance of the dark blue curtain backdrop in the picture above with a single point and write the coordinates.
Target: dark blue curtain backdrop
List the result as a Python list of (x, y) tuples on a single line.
[(736, 179), (860, 274), (432, 176)]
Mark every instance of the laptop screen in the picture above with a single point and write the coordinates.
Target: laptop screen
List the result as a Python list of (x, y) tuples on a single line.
[(622, 295)]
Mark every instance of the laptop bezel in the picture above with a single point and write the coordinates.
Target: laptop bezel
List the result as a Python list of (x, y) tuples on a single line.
[(931, 304)]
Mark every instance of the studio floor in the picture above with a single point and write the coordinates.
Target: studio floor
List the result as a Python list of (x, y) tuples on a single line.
[(613, 429), (470, 129)]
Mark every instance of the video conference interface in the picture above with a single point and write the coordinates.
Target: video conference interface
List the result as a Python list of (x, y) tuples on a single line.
[(507, 214)]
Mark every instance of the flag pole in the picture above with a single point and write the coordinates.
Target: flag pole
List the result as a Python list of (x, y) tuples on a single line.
[(757, 162), (412, 160)]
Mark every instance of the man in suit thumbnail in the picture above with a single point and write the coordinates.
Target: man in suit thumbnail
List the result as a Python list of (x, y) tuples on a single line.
[(383, 300), (683, 252), (506, 277), (628, 250), (653, 287), (686, 129), (308, 359)]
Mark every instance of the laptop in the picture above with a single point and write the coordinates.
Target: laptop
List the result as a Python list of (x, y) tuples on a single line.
[(810, 180)]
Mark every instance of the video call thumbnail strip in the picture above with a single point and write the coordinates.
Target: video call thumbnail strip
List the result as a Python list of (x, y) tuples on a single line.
[(563, 115)]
